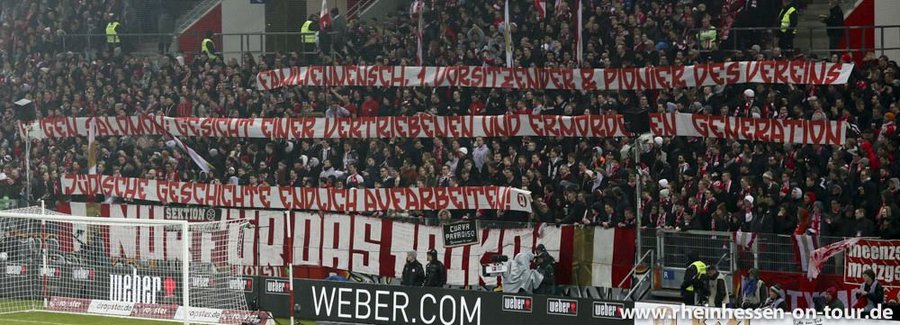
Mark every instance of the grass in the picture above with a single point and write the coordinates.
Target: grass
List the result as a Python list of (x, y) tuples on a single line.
[(42, 318)]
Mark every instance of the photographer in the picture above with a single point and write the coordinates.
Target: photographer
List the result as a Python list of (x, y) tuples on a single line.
[(521, 278), (413, 274), (546, 266)]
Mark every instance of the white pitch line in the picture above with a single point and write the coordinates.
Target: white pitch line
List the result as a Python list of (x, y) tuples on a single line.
[(34, 322)]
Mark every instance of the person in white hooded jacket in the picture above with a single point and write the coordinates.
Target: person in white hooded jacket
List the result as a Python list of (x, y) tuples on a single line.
[(521, 277)]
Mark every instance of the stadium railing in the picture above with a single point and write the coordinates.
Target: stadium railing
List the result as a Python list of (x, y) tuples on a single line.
[(886, 38)]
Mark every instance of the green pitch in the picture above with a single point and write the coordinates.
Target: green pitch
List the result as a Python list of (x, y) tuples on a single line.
[(40, 318)]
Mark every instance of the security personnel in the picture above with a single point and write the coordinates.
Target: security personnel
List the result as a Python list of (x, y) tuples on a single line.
[(208, 47), (435, 274), (309, 34), (692, 285), (787, 19), (112, 33)]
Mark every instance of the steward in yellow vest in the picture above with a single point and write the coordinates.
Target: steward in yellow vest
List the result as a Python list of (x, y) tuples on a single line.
[(691, 285), (787, 19), (112, 33), (208, 47)]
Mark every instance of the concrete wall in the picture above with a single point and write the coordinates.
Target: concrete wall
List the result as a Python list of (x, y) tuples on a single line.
[(241, 16), (886, 13)]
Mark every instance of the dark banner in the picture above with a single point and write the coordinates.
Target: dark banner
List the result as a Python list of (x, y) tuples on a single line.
[(461, 233), (387, 304)]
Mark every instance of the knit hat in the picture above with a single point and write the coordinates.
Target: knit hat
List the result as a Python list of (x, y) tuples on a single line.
[(796, 192), (664, 183), (767, 175), (777, 290), (748, 198), (749, 93)]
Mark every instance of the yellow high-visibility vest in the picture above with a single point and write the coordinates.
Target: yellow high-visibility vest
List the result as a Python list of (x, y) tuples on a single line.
[(786, 19), (111, 35), (701, 269), (307, 35), (205, 48)]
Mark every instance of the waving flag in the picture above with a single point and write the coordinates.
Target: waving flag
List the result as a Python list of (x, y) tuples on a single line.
[(541, 7), (804, 245), (579, 47), (820, 255), (506, 35), (324, 15), (416, 11)]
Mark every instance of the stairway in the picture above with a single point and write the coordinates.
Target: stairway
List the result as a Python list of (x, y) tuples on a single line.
[(811, 36)]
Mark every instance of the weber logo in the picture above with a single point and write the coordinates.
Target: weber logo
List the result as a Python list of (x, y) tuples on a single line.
[(608, 310), (201, 282), (277, 287), (241, 284), (50, 272), (517, 304), (16, 270), (191, 214), (562, 307), (134, 288), (83, 274)]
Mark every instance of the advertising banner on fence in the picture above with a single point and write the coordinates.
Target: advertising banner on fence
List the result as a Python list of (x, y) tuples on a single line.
[(800, 291), (386, 304), (430, 126), (882, 256), (151, 311), (676, 314), (378, 246), (726, 73), (300, 198)]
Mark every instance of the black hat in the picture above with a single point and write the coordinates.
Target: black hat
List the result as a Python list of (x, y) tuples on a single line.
[(540, 248), (433, 253)]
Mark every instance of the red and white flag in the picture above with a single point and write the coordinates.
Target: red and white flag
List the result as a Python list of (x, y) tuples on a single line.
[(820, 255), (416, 11), (557, 6), (541, 7), (804, 245), (579, 47), (744, 240), (507, 36), (92, 146), (324, 16)]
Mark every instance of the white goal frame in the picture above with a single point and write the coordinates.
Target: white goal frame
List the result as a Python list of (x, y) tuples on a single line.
[(185, 247)]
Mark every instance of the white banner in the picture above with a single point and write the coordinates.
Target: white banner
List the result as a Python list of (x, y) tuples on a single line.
[(726, 73), (429, 126), (300, 198)]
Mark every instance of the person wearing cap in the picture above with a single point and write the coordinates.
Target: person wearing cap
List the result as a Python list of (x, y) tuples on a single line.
[(575, 208), (834, 21), (413, 274), (691, 285), (546, 266), (435, 273), (775, 299), (716, 293), (830, 300), (751, 293), (744, 109)]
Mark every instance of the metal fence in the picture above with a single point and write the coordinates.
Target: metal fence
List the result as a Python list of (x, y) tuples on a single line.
[(886, 38), (769, 252)]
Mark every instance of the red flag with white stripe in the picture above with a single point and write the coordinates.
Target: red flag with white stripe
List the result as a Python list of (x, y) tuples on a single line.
[(804, 245), (324, 15), (820, 255), (744, 240), (579, 47), (415, 12), (541, 7)]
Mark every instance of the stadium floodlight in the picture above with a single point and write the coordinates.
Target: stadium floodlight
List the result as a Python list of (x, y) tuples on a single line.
[(171, 270)]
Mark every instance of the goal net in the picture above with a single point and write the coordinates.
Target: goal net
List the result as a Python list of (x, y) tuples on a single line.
[(141, 268)]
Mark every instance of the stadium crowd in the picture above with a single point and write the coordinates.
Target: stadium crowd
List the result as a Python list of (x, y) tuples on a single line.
[(689, 183)]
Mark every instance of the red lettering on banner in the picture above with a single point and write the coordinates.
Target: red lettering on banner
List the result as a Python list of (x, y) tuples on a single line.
[(611, 79), (766, 69), (663, 124), (628, 78), (815, 73), (745, 128), (751, 70), (700, 124), (815, 131), (781, 68), (587, 79), (700, 73), (645, 78), (833, 74), (715, 70), (796, 70), (678, 77), (732, 73)]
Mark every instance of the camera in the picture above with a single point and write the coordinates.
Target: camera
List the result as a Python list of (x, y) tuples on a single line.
[(499, 258)]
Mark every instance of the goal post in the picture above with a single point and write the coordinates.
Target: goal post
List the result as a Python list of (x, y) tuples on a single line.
[(172, 270)]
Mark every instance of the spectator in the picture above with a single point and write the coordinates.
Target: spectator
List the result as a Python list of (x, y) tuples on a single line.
[(413, 274), (435, 273), (775, 299), (834, 21), (751, 292), (870, 293)]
